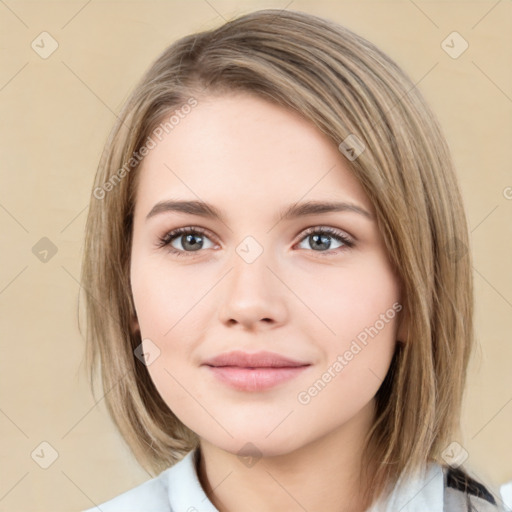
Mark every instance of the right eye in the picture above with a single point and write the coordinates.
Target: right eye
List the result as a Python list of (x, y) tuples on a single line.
[(190, 239)]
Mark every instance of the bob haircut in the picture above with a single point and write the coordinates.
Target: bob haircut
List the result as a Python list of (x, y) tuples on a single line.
[(344, 85)]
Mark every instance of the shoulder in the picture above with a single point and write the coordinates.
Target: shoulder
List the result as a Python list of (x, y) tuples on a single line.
[(150, 496), (175, 489), (439, 488), (463, 492)]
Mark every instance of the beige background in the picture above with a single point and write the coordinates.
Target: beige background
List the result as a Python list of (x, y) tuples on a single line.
[(56, 114)]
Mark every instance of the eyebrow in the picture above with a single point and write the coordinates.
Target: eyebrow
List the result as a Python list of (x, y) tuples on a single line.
[(293, 211)]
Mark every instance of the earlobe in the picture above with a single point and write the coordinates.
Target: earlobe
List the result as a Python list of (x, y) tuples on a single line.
[(134, 322), (401, 334), (400, 337), (134, 325)]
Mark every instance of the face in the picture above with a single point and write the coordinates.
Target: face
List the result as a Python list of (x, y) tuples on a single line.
[(315, 288)]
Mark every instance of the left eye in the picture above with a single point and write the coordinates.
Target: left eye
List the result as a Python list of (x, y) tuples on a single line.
[(319, 237), (192, 240)]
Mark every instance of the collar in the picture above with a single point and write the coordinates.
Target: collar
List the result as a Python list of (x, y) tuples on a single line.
[(184, 489), (421, 492)]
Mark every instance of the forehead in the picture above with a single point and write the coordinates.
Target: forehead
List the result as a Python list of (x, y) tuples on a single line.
[(240, 146)]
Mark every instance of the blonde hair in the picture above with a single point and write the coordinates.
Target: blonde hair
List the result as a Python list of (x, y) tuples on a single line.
[(345, 86)]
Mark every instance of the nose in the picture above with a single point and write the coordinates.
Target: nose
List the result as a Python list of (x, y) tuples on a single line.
[(253, 296)]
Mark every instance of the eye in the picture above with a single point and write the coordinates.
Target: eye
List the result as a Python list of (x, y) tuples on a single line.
[(318, 237), (191, 239)]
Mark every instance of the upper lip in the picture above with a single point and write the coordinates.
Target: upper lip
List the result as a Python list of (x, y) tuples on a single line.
[(261, 359)]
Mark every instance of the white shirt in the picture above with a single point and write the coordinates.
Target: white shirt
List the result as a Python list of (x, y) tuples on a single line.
[(177, 489)]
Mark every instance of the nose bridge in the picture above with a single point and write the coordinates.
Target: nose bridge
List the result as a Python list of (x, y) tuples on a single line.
[(250, 265), (253, 292)]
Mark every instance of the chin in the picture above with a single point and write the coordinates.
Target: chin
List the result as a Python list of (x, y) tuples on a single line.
[(256, 444)]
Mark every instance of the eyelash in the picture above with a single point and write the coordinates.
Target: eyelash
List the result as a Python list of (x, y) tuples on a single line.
[(166, 240)]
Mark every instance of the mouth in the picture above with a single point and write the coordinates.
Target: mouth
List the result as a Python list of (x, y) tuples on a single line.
[(260, 359), (254, 372), (255, 379)]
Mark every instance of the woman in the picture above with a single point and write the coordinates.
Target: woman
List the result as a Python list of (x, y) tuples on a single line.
[(280, 288)]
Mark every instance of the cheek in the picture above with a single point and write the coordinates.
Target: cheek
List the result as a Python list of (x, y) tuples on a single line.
[(346, 300), (356, 362), (359, 311), (163, 295), (168, 305)]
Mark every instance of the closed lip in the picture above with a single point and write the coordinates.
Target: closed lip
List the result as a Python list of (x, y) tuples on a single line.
[(261, 359)]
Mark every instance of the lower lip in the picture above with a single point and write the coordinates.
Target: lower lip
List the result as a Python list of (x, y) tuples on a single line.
[(255, 379)]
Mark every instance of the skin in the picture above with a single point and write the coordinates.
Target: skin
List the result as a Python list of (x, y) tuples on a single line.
[(251, 159)]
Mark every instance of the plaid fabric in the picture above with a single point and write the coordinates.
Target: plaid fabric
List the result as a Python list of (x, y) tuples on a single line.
[(464, 494)]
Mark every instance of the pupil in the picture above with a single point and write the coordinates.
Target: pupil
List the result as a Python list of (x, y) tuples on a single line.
[(194, 246), (324, 240)]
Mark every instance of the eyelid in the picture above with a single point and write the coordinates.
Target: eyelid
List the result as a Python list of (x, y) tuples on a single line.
[(175, 233), (320, 228), (342, 236)]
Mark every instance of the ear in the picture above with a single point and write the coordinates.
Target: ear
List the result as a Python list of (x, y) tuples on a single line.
[(403, 322), (134, 324)]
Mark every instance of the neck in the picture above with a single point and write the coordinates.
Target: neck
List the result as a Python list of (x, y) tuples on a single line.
[(321, 475)]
